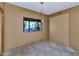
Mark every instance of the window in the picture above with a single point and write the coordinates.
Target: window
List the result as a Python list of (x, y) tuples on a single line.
[(31, 25)]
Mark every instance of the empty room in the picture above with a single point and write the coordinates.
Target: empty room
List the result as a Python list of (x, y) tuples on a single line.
[(39, 28)]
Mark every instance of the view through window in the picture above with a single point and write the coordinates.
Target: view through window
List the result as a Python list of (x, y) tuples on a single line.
[(31, 25)]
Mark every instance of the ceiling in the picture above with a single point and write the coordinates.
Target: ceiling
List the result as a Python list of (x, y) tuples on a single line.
[(47, 7)]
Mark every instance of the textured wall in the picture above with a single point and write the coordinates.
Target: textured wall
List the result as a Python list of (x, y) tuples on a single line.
[(74, 27), (14, 35), (0, 33), (59, 28)]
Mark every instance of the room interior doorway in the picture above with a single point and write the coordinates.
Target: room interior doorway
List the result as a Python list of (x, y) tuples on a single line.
[(1, 31)]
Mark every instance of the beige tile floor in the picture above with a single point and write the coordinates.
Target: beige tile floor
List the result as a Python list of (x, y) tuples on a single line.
[(43, 48)]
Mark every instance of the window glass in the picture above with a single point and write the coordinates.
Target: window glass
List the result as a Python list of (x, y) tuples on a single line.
[(32, 25)]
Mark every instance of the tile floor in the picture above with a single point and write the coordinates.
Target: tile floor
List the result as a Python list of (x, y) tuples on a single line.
[(43, 48)]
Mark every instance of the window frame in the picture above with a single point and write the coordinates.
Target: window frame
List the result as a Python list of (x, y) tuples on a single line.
[(34, 20)]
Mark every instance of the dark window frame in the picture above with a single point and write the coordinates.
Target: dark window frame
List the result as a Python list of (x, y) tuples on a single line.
[(33, 20)]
